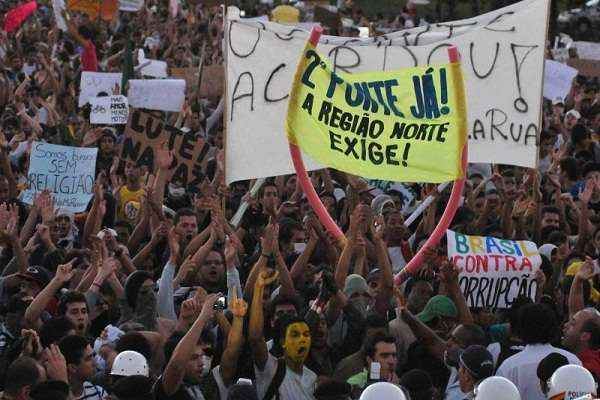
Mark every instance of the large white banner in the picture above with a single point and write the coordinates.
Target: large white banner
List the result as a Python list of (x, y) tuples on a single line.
[(502, 55), (68, 172)]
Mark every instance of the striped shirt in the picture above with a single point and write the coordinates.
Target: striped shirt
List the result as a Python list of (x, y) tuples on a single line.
[(91, 392)]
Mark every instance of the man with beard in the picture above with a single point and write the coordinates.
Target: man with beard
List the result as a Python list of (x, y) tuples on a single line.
[(287, 378), (549, 222)]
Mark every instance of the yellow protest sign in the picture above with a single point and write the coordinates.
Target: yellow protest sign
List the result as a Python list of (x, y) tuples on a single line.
[(407, 125)]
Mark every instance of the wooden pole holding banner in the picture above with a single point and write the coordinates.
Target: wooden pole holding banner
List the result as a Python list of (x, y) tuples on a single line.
[(330, 224), (440, 230)]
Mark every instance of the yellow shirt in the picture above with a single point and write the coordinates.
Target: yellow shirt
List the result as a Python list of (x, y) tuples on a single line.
[(129, 204), (285, 14)]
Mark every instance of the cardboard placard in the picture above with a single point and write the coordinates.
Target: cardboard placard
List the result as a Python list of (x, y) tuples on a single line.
[(190, 75), (589, 68), (68, 172), (110, 110), (145, 134), (213, 81), (492, 271)]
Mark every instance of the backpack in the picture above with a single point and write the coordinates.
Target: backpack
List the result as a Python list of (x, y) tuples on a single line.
[(273, 389)]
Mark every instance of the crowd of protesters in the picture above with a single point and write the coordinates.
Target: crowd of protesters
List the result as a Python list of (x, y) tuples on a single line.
[(153, 293)]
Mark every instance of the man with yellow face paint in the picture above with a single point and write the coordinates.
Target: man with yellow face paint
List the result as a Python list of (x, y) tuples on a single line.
[(287, 378)]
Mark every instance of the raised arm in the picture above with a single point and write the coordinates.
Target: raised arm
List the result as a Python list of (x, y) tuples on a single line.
[(235, 340), (343, 266), (576, 301), (64, 273), (72, 29), (285, 279), (175, 370), (257, 320), (449, 273)]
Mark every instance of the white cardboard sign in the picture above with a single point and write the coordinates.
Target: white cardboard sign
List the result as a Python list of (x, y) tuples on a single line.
[(152, 68), (131, 5), (502, 54), (94, 83), (492, 271), (558, 78), (68, 172), (157, 94), (109, 110)]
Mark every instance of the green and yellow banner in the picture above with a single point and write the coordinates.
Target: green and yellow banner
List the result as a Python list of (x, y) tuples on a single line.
[(407, 125)]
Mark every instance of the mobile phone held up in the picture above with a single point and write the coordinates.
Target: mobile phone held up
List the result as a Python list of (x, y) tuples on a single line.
[(221, 303)]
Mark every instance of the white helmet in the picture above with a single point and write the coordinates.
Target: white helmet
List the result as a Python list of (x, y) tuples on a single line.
[(571, 382), (496, 388), (128, 363), (383, 390)]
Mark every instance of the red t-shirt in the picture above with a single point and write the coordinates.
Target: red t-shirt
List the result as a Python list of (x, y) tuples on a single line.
[(590, 359), (89, 60)]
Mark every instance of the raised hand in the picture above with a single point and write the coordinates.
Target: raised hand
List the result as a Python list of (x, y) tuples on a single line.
[(269, 241), (449, 274), (64, 272), (378, 227), (55, 364), (174, 243), (264, 279), (190, 309), (238, 307), (208, 310), (230, 253), (586, 271), (585, 195), (164, 157)]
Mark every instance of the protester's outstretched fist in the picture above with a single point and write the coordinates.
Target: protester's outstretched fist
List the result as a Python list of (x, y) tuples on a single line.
[(265, 279), (64, 272)]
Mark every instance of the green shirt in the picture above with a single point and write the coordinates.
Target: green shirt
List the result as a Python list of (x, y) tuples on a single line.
[(360, 379)]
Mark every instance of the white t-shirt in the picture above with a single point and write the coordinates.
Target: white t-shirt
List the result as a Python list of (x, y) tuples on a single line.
[(293, 387), (521, 368)]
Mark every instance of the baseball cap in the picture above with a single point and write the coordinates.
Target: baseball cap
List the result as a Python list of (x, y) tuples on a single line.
[(438, 306), (374, 274), (109, 132), (37, 274), (573, 113), (549, 364), (355, 284), (478, 361), (558, 101)]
